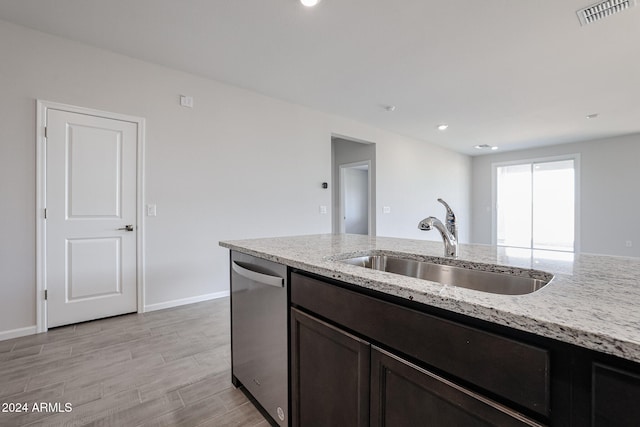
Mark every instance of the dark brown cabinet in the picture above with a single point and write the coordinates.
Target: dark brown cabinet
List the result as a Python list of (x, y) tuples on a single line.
[(340, 379), (615, 397), (405, 395), (330, 375), (362, 358)]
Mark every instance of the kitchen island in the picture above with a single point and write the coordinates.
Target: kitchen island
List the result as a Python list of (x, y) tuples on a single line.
[(587, 313)]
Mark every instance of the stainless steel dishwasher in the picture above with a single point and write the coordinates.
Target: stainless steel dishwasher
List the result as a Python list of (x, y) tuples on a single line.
[(259, 332)]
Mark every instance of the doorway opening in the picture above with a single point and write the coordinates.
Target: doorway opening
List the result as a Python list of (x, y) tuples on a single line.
[(353, 165)]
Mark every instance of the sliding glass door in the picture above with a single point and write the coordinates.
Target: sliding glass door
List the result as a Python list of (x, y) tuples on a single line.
[(535, 205)]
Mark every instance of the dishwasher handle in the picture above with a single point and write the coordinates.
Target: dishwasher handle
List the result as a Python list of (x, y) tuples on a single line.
[(265, 279)]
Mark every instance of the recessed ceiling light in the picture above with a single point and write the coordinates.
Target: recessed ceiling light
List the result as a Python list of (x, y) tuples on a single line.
[(443, 126), (309, 3), (485, 147), (592, 116)]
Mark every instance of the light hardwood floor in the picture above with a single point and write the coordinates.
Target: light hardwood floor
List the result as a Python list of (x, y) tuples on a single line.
[(164, 368)]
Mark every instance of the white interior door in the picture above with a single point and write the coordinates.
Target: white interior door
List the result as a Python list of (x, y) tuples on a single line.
[(356, 201), (91, 217)]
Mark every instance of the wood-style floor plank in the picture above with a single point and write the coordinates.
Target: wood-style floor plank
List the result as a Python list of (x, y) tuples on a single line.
[(77, 368), (134, 415), (6, 346), (126, 368), (191, 415), (245, 415), (164, 368), (206, 387), (11, 387), (18, 354)]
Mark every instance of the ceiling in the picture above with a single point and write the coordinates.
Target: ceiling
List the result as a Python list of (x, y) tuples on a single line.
[(510, 73)]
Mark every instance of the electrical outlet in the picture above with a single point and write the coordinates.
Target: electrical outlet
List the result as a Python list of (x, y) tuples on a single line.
[(323, 209)]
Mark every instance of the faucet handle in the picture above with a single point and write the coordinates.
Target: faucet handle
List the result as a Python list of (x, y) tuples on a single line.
[(451, 218), (450, 215)]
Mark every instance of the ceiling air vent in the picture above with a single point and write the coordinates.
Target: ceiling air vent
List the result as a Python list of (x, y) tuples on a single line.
[(603, 9)]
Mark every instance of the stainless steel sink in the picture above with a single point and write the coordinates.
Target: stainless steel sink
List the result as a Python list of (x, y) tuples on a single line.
[(515, 282)]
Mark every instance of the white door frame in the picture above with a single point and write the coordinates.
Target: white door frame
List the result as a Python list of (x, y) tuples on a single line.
[(342, 168), (41, 186)]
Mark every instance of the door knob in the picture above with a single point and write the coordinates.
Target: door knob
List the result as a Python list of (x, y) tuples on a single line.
[(127, 228)]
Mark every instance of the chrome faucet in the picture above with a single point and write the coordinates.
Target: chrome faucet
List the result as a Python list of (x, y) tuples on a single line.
[(449, 232)]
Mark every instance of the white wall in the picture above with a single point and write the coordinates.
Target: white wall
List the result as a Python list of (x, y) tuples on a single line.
[(609, 195), (238, 165), (411, 176)]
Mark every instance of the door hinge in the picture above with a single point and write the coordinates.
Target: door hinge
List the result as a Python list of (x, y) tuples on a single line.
[(45, 131), (45, 294), (45, 213)]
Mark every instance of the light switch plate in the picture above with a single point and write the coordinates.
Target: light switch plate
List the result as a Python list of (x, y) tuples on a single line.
[(151, 210), (186, 101), (323, 209), (386, 210)]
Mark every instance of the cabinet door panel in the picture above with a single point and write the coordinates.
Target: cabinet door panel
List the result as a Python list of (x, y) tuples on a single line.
[(615, 397), (330, 375), (403, 394)]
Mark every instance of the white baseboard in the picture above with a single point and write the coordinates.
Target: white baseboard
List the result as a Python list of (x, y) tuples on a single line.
[(16, 333), (184, 301)]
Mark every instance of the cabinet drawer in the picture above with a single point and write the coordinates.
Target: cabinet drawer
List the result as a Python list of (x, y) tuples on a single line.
[(513, 370)]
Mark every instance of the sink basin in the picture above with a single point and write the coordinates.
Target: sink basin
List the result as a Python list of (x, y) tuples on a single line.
[(514, 282)]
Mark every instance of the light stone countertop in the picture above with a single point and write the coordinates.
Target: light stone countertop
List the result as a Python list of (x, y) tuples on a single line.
[(593, 301)]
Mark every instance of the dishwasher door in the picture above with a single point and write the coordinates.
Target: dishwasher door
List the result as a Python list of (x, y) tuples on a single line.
[(259, 331)]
